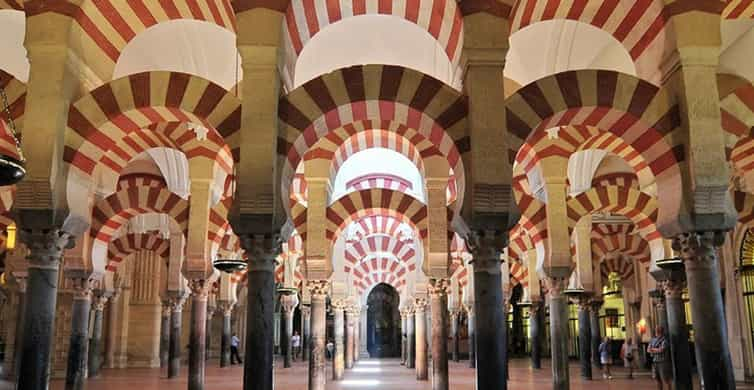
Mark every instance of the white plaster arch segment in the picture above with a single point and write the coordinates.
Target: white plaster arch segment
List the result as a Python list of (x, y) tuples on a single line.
[(737, 46), (13, 31)]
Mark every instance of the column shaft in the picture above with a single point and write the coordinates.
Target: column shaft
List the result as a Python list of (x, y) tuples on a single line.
[(454, 336), (471, 325), (679, 338), (490, 329), (317, 373), (165, 335), (95, 343), (77, 349), (305, 331), (258, 374), (404, 336), (536, 324), (594, 326), (420, 321), (198, 336), (174, 358), (338, 327), (410, 340), (439, 307), (585, 341), (287, 344), (17, 345), (559, 334), (350, 337), (225, 340)]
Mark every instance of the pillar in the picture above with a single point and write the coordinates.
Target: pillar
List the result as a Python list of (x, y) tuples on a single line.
[(471, 325), (410, 339), (558, 332), (594, 326), (491, 329), (338, 307), (420, 323), (454, 335), (361, 334), (198, 334), (227, 309), (19, 336), (535, 333), (288, 303), (174, 352), (78, 345), (95, 343), (208, 329), (318, 290), (305, 328), (677, 333), (438, 295), (351, 323), (404, 336), (165, 334), (585, 338)]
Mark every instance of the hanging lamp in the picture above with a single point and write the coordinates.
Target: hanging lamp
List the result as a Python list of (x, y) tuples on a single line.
[(12, 169), (229, 265)]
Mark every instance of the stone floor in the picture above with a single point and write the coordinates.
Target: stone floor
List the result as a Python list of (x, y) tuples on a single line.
[(385, 374)]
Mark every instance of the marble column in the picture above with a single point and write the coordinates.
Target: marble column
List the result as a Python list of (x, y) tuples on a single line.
[(361, 332), (45, 252), (288, 303), (404, 336), (438, 296), (19, 336), (317, 374), (410, 339), (165, 334), (677, 332), (471, 326), (305, 329), (585, 338), (260, 305), (420, 322), (338, 307), (225, 340), (197, 336), (559, 332), (174, 353), (491, 329), (351, 323), (454, 335), (536, 328), (276, 333), (208, 328), (661, 312), (95, 343), (78, 345), (594, 326)]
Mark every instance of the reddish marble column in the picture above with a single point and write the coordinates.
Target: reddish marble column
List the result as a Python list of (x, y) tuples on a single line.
[(225, 340), (317, 375), (174, 358), (438, 294), (288, 303), (338, 361), (454, 344), (351, 323), (420, 322), (198, 334)]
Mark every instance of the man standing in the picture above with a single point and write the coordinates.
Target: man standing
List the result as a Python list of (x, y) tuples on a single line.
[(660, 351), (296, 344), (234, 341)]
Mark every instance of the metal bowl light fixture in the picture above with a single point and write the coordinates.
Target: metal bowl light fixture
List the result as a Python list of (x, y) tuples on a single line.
[(12, 169), (229, 265)]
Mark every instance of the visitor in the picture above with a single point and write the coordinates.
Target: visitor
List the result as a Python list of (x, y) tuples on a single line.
[(330, 349), (659, 349), (296, 345), (605, 358), (234, 341), (628, 352)]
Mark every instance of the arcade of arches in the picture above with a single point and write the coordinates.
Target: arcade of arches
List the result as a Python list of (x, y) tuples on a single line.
[(502, 183)]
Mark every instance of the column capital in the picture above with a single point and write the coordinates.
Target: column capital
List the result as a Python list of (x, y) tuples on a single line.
[(556, 285), (289, 302), (167, 307), (262, 250), (46, 246), (226, 307), (100, 301), (306, 310), (486, 247), (439, 287), (339, 304), (176, 304), (420, 305), (199, 288), (672, 288), (82, 287), (318, 288), (697, 249)]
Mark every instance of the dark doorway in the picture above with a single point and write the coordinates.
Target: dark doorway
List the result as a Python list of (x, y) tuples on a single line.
[(383, 322)]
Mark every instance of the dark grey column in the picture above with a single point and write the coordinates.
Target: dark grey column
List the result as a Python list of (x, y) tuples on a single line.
[(260, 277), (208, 329), (585, 338), (594, 316), (95, 342), (227, 309), (174, 353), (351, 322), (78, 345), (559, 333), (491, 332), (661, 312), (471, 325), (198, 335), (677, 332), (165, 334), (420, 322), (536, 324), (438, 297), (306, 313), (338, 361), (410, 338), (317, 374), (288, 304), (697, 249), (19, 340), (45, 252), (454, 335), (404, 336)]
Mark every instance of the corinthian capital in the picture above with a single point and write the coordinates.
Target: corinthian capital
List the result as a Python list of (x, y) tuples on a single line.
[(318, 288), (46, 246)]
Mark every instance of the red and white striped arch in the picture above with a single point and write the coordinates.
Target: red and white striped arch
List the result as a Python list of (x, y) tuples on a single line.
[(519, 243), (611, 241), (533, 212), (379, 224), (378, 269), (737, 115), (379, 180), (121, 247), (442, 19), (621, 179), (639, 25), (744, 204), (519, 274), (379, 244), (738, 9)]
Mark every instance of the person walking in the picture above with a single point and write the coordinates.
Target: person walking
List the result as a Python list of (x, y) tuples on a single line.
[(659, 348), (296, 345), (605, 358), (628, 352), (234, 341)]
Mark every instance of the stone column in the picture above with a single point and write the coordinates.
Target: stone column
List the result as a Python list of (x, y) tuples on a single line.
[(174, 353), (536, 324), (113, 327), (420, 322), (288, 303), (596, 332), (404, 336), (491, 329), (361, 333), (197, 336), (95, 343), (208, 328), (351, 323), (410, 339), (338, 307), (19, 336), (317, 374), (227, 309), (276, 333), (438, 295), (78, 345), (471, 325), (165, 334), (45, 252), (454, 334), (306, 315), (558, 332), (585, 338), (658, 299), (677, 332), (260, 305)]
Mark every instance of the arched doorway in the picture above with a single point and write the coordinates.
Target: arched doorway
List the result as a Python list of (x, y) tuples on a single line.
[(383, 322)]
